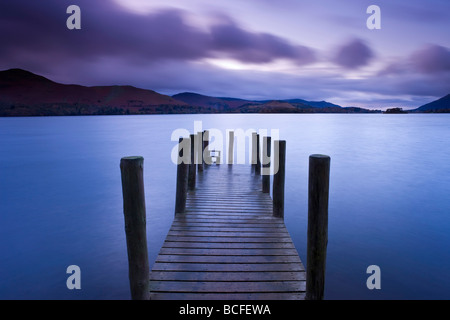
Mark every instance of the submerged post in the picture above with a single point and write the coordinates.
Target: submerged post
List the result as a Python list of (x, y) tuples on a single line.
[(279, 150), (192, 166), (266, 164), (135, 226), (182, 174), (318, 190), (231, 147)]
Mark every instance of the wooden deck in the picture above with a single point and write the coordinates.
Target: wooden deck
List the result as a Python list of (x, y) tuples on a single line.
[(228, 245)]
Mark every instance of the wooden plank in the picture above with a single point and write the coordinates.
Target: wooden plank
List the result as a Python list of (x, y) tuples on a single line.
[(225, 224), (229, 276), (227, 296), (228, 252), (224, 212), (229, 211), (228, 228), (228, 234), (228, 267), (227, 239), (228, 286), (233, 229), (257, 201), (228, 245), (261, 218), (226, 259), (187, 218)]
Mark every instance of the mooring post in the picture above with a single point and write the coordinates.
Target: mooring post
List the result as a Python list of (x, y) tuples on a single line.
[(200, 152), (184, 149), (253, 151), (206, 155), (258, 159), (192, 166), (266, 164), (135, 226), (279, 151), (230, 147), (318, 190)]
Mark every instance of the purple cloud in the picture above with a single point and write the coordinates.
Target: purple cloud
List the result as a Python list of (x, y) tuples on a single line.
[(431, 59), (256, 47), (353, 54), (109, 31)]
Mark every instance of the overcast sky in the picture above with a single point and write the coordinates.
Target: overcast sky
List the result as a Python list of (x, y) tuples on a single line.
[(256, 49)]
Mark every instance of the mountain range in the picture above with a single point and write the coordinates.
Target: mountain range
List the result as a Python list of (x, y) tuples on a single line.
[(23, 93)]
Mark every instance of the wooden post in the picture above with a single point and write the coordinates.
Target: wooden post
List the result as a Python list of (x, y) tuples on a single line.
[(258, 160), (135, 226), (218, 157), (182, 176), (254, 151), (200, 152), (206, 156), (192, 166), (231, 147), (318, 190), (266, 164), (279, 151)]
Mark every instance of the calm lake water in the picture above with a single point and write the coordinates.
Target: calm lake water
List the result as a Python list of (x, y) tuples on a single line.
[(61, 199)]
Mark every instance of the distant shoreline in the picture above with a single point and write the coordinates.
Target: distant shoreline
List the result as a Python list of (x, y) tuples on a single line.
[(172, 114), (23, 93)]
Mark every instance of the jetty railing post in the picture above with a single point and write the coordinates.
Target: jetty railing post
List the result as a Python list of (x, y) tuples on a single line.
[(231, 147), (182, 175), (266, 164), (279, 150), (192, 166), (200, 151), (258, 159), (206, 155), (135, 226), (254, 151), (318, 191)]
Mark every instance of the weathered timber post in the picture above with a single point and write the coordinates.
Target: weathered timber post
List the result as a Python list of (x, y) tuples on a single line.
[(184, 149), (200, 152), (135, 226), (231, 147), (266, 164), (258, 159), (279, 150), (318, 190), (254, 151), (192, 166), (217, 156), (206, 155)]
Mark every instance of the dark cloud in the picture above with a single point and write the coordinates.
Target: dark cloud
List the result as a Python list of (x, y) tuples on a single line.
[(431, 59), (353, 54), (39, 32), (256, 47)]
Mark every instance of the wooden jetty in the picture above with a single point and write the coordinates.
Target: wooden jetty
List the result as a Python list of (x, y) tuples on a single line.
[(228, 239)]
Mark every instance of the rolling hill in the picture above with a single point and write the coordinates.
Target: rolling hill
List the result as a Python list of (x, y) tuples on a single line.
[(441, 105), (23, 93)]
